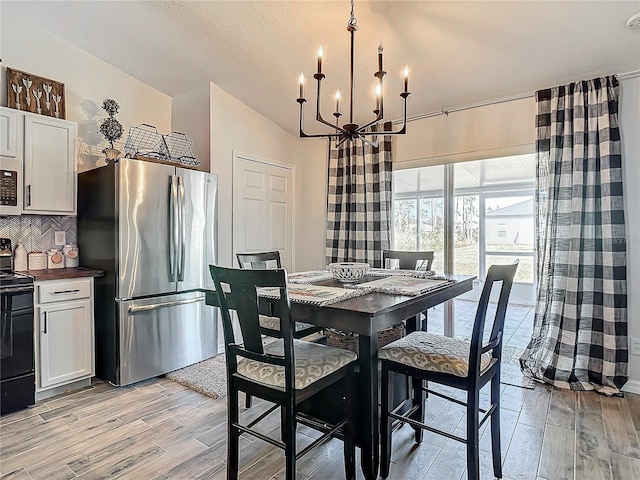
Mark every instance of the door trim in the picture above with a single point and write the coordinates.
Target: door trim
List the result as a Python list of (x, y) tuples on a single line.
[(274, 163)]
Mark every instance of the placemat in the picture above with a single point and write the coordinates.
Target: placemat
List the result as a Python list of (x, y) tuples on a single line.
[(312, 276), (387, 272), (314, 294), (404, 285)]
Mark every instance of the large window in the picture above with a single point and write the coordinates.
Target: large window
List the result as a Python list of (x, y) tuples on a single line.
[(491, 217), (419, 211)]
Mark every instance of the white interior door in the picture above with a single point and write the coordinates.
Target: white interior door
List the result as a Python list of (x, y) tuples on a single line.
[(262, 208)]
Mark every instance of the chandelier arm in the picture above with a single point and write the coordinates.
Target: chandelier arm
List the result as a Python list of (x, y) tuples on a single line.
[(339, 144), (332, 125), (319, 77), (401, 131), (372, 143), (301, 101), (320, 135), (361, 129)]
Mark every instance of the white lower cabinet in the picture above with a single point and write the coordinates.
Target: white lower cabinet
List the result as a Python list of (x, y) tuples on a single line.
[(64, 332)]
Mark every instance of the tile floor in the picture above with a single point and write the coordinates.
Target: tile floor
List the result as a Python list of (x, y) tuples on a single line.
[(518, 323)]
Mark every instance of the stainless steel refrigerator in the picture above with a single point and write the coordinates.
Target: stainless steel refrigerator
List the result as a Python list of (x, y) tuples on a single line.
[(152, 228)]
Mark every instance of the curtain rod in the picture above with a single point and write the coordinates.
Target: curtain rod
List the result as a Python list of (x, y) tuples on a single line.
[(495, 101)]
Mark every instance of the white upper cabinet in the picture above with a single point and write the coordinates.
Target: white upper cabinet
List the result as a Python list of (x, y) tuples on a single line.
[(49, 166), (8, 132)]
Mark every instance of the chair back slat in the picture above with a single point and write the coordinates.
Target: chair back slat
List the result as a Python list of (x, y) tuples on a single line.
[(259, 260), (503, 274), (237, 290), (409, 260)]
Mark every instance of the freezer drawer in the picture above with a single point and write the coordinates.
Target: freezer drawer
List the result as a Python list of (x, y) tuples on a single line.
[(161, 334)]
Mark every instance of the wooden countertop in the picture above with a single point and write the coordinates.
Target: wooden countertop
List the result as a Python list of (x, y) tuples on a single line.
[(63, 273)]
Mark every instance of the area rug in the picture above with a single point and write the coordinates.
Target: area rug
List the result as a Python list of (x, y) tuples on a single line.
[(510, 372), (208, 377)]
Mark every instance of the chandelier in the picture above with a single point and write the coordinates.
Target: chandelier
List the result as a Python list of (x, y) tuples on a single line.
[(352, 131)]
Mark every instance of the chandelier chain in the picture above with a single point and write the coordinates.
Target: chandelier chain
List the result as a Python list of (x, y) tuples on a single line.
[(353, 21)]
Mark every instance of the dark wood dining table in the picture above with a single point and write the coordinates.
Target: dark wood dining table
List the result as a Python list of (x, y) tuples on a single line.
[(367, 315)]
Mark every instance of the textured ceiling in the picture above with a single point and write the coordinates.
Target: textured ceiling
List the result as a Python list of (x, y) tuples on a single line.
[(459, 52)]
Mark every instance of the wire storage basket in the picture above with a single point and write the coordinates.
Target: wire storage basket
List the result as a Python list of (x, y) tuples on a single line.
[(350, 340), (144, 141)]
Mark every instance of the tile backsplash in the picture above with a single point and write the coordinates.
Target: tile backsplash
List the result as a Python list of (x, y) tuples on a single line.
[(36, 232)]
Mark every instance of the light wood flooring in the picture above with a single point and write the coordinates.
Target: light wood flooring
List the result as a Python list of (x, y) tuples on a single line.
[(159, 429)]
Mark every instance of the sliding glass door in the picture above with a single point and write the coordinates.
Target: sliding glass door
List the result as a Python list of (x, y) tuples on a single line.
[(496, 193), (490, 220)]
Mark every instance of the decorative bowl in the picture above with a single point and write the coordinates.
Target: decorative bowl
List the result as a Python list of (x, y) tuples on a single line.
[(348, 271)]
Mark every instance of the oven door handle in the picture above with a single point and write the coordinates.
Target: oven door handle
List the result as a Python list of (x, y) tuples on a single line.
[(16, 289), (7, 333)]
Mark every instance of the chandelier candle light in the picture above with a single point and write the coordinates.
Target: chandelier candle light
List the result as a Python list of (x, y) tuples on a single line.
[(352, 131)]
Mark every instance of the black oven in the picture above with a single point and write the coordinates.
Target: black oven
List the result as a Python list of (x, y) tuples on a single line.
[(17, 377)]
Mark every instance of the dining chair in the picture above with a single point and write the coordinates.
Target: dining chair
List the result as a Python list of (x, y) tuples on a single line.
[(409, 260), (457, 363), (285, 372), (270, 324), (259, 260)]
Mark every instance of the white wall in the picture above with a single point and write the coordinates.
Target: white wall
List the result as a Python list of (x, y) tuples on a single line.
[(88, 81), (312, 201), (629, 127), (237, 128), (190, 114)]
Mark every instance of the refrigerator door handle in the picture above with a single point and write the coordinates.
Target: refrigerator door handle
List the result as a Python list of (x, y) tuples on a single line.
[(173, 195), (183, 230), (156, 306)]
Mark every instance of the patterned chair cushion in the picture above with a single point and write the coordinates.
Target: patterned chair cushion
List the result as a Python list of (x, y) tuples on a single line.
[(434, 353), (273, 323), (312, 362)]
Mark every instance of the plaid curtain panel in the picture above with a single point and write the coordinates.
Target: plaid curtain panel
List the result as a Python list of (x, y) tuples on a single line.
[(580, 327), (359, 202)]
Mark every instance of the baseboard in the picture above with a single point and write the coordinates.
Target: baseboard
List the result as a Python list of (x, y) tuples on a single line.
[(68, 388), (632, 386)]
